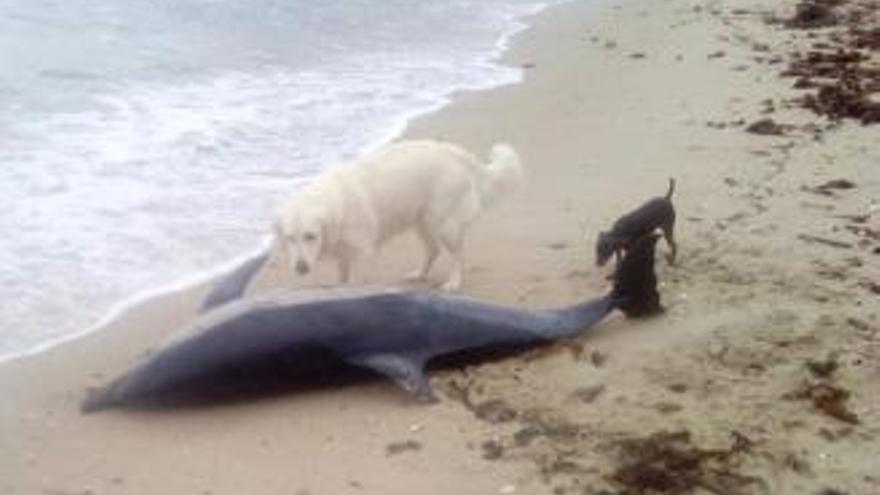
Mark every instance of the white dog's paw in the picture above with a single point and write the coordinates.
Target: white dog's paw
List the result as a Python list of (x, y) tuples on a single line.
[(416, 276), (451, 286)]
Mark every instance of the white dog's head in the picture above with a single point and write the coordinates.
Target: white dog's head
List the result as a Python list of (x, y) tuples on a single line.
[(300, 235)]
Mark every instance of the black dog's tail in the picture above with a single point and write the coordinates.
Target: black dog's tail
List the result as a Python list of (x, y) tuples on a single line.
[(671, 188), (635, 283)]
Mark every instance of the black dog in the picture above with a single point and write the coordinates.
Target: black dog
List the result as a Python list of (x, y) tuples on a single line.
[(644, 220)]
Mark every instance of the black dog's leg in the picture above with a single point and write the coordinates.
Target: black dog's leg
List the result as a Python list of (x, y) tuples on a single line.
[(668, 234), (618, 255)]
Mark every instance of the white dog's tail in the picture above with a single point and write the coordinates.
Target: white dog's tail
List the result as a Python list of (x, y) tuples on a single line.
[(502, 175)]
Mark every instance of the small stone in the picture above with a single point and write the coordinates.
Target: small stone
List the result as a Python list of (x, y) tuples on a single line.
[(678, 388), (765, 127), (588, 394), (399, 447), (495, 411), (668, 407), (823, 368), (524, 436), (492, 450)]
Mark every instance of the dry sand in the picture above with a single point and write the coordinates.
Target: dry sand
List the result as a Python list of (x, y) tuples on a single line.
[(722, 394)]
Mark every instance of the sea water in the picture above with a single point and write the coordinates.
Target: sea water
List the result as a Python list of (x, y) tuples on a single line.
[(145, 141)]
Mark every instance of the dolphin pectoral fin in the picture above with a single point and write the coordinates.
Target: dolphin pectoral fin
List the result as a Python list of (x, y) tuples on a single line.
[(407, 372)]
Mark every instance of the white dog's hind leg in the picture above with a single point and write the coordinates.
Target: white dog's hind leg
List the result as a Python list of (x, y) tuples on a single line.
[(453, 241), (432, 251), (451, 231)]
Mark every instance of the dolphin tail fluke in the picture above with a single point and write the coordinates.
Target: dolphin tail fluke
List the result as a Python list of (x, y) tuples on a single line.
[(635, 282), (232, 285)]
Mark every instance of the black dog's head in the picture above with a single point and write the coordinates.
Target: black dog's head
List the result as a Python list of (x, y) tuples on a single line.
[(605, 246)]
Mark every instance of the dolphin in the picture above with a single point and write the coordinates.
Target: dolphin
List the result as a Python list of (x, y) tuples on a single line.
[(308, 339), (232, 285)]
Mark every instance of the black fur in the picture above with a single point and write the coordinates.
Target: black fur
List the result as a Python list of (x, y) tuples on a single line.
[(635, 282), (644, 220)]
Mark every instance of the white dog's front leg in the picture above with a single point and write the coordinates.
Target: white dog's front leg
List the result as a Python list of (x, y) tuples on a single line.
[(282, 258), (346, 269), (453, 283)]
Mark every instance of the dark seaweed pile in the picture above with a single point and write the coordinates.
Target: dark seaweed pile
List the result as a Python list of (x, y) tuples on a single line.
[(811, 14), (668, 462), (841, 71)]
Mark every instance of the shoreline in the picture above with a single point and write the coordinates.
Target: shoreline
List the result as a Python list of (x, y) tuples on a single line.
[(188, 283), (194, 280), (615, 99)]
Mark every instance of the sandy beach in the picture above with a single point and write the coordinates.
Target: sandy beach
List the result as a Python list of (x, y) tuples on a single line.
[(760, 378)]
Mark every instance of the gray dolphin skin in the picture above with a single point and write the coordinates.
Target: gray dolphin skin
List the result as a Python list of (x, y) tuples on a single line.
[(234, 283), (308, 340)]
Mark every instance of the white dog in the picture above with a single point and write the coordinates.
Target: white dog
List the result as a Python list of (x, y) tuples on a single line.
[(435, 188)]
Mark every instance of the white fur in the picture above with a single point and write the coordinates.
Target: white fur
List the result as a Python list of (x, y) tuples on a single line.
[(434, 188)]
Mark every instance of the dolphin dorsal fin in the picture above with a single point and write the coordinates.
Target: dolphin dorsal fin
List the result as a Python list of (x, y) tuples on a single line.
[(406, 371)]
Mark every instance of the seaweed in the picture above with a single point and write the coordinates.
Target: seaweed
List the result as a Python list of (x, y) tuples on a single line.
[(828, 399), (840, 72), (811, 14), (668, 462)]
